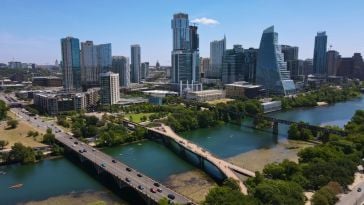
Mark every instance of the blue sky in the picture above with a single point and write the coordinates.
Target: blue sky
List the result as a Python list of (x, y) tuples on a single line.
[(30, 31)]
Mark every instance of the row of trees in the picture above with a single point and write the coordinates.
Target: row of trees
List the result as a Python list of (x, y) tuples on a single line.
[(326, 94), (3, 110), (326, 168)]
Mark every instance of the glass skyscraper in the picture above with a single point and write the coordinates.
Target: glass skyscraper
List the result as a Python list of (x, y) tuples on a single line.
[(135, 63), (120, 65), (272, 71), (185, 53), (319, 54), (232, 64), (104, 58), (71, 63), (217, 50), (89, 64)]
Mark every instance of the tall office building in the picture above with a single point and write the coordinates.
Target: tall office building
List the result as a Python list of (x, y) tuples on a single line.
[(144, 70), (217, 50), (121, 66), (109, 88), (135, 63), (333, 60), (250, 64), (319, 55), (272, 71), (89, 75), (104, 58), (185, 54), (232, 68), (71, 63), (307, 66), (290, 54), (204, 66)]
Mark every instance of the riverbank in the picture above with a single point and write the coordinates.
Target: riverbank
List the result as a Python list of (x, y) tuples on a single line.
[(255, 160), (88, 198), (194, 184)]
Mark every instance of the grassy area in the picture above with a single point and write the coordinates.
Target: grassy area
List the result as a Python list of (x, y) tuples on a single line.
[(223, 100), (19, 134), (136, 116)]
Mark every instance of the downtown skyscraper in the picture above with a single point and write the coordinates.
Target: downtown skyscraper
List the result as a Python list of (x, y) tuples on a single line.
[(319, 54), (120, 65), (71, 68), (185, 53), (135, 63), (95, 59), (272, 71), (217, 50)]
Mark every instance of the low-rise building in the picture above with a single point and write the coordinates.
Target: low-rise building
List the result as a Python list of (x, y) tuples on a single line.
[(205, 95), (47, 81), (243, 89), (271, 106), (156, 96)]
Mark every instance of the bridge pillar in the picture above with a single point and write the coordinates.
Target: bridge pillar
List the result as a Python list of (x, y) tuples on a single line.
[(202, 162), (275, 128)]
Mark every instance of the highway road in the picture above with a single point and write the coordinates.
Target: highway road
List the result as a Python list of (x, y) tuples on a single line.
[(143, 184), (354, 197)]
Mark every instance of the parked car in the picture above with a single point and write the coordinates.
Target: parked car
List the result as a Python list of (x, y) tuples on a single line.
[(171, 196)]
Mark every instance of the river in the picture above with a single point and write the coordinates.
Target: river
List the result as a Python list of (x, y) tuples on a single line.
[(59, 177)]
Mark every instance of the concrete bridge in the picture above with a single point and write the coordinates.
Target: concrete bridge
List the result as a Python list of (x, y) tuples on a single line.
[(276, 121), (227, 169), (122, 175)]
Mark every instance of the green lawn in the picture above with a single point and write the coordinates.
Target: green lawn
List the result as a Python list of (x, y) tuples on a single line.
[(136, 116)]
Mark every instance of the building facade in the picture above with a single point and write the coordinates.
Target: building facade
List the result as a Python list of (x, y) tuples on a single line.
[(319, 54), (135, 64), (250, 64), (144, 70), (204, 66), (333, 60), (89, 74), (71, 63), (233, 62), (47, 81), (217, 50), (272, 71), (120, 65), (109, 88)]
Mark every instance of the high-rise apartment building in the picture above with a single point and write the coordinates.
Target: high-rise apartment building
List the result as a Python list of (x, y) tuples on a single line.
[(135, 64), (185, 54), (333, 60), (204, 66), (290, 54), (89, 75), (307, 66), (217, 50), (144, 70), (272, 71), (120, 65), (71, 63), (232, 68), (319, 55), (104, 58), (109, 88)]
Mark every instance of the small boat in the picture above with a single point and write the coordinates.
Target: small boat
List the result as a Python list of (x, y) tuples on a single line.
[(16, 186)]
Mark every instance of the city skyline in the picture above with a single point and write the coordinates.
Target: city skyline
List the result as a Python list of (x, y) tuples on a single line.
[(41, 26)]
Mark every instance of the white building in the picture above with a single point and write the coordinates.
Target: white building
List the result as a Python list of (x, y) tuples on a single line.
[(110, 90)]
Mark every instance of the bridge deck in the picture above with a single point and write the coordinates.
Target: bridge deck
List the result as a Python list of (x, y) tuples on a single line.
[(118, 170), (225, 167)]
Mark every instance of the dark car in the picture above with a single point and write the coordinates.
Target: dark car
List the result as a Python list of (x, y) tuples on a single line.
[(84, 150), (140, 187), (159, 190), (171, 196), (113, 161), (103, 165), (359, 189), (139, 175), (153, 190), (128, 169), (80, 151), (156, 184), (76, 142), (127, 179)]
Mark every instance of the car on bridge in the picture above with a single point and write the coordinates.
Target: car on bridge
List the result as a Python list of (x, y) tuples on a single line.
[(127, 179), (140, 187), (128, 169), (103, 165), (153, 190), (113, 161), (171, 196), (139, 175)]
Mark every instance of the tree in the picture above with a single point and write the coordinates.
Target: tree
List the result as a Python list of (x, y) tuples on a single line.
[(48, 137), (3, 110), (279, 192), (12, 123), (3, 143), (21, 153), (226, 196), (232, 184)]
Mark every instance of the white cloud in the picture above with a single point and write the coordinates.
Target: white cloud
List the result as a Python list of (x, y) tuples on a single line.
[(205, 21)]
